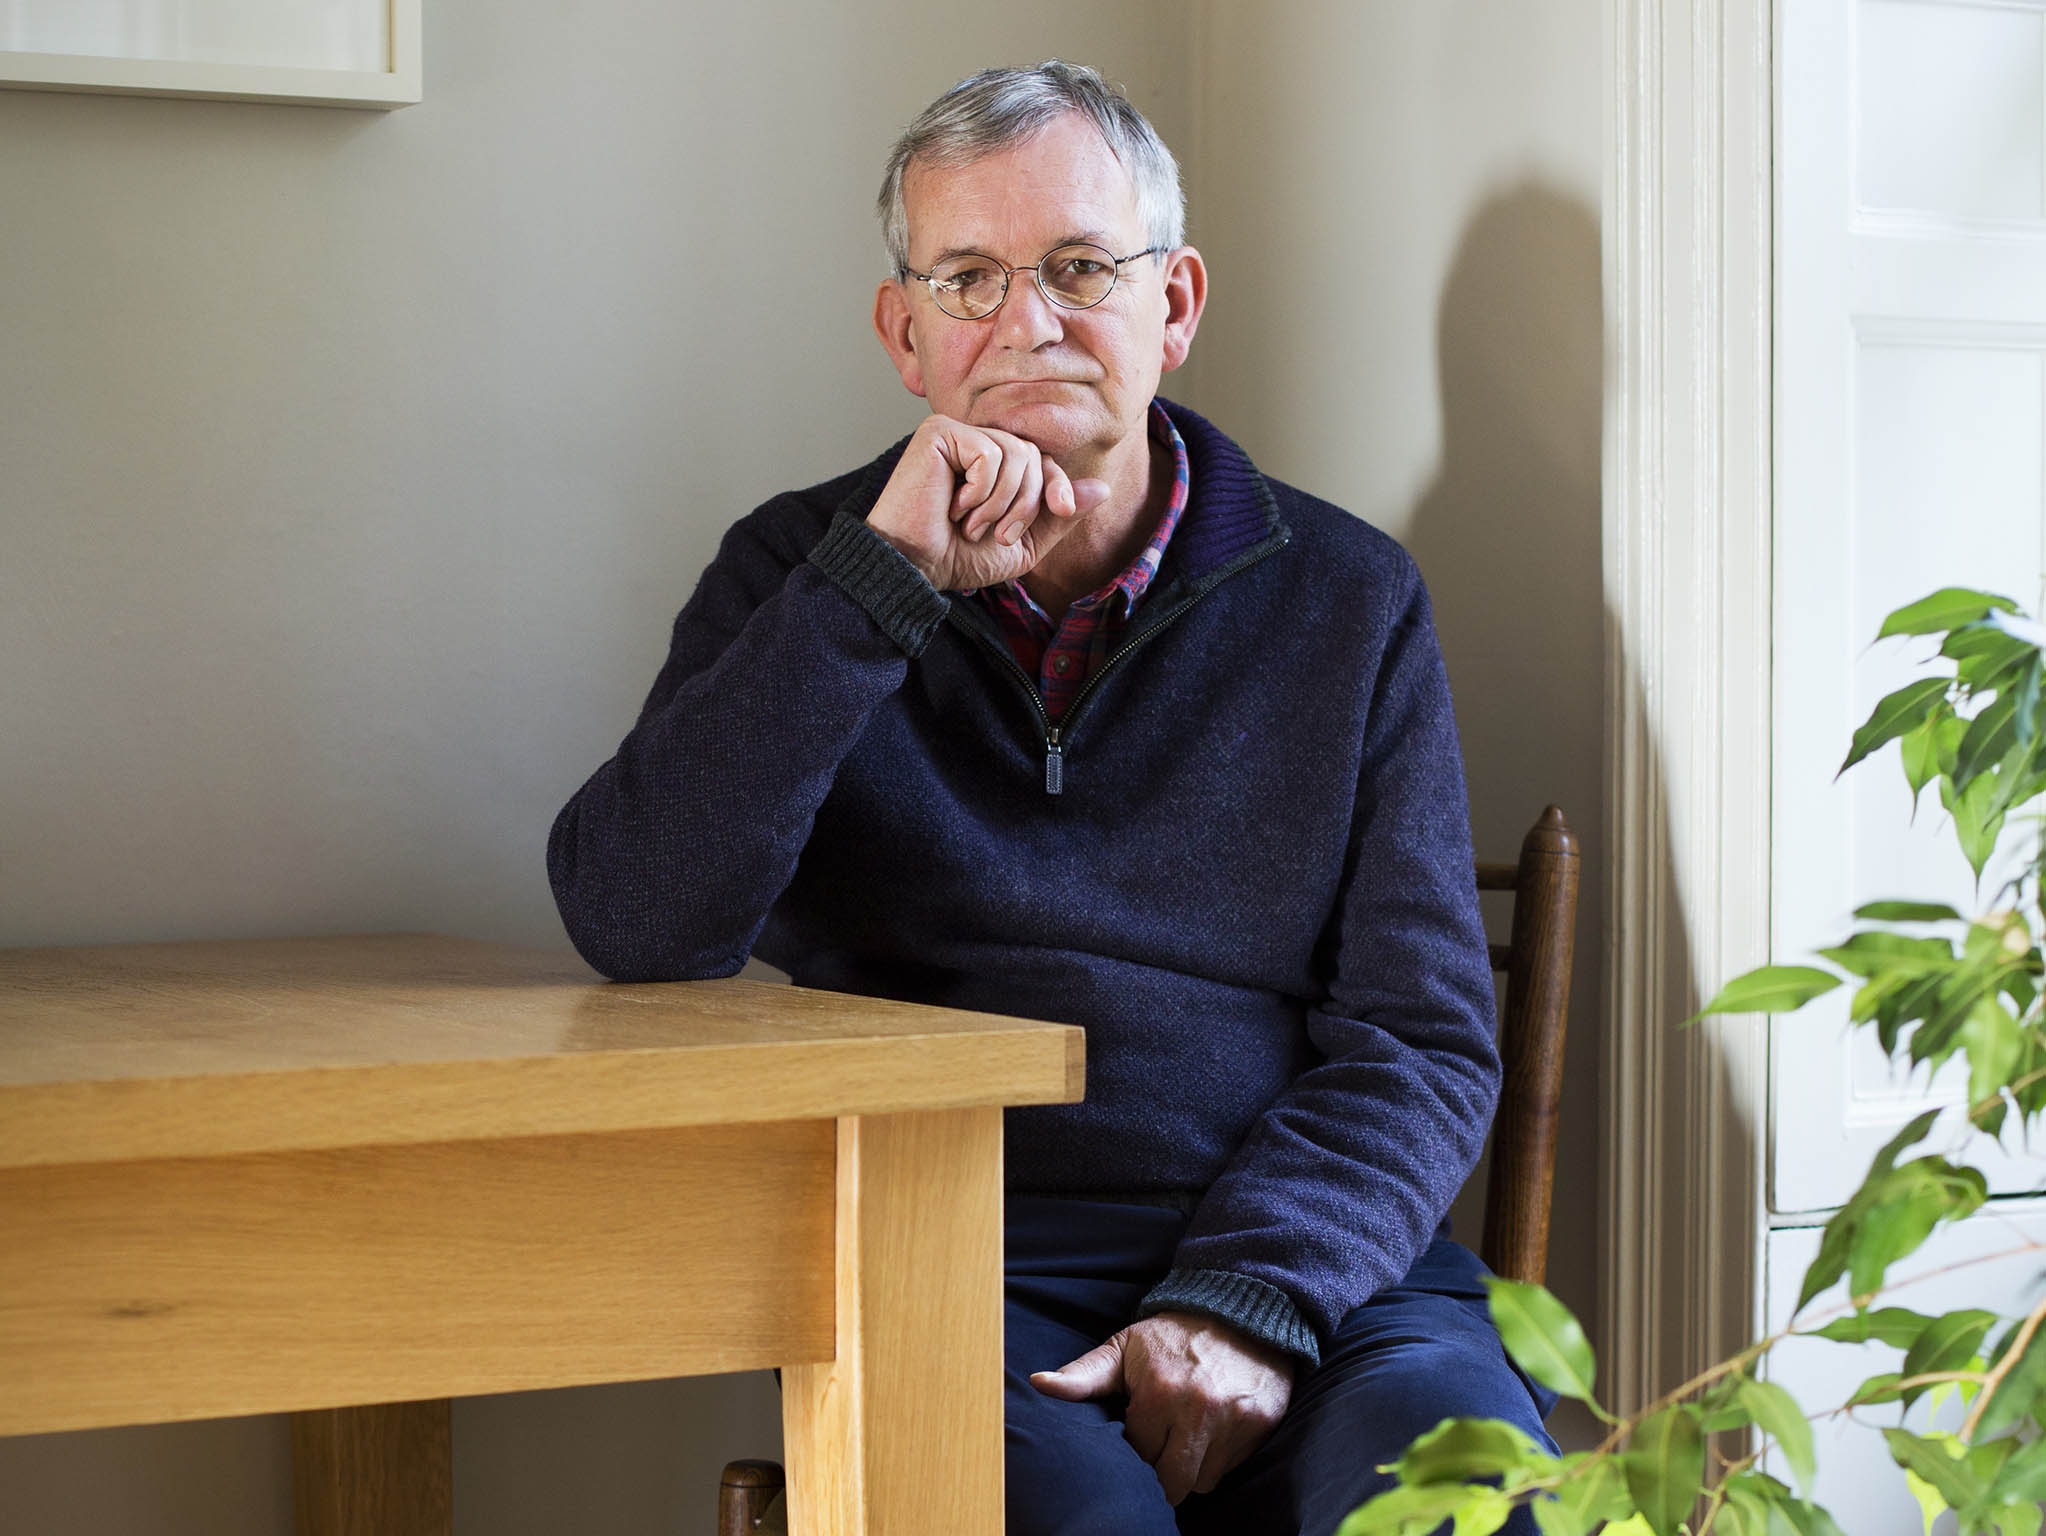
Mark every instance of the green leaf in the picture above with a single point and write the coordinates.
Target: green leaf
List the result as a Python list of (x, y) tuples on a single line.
[(2009, 1520), (1809, 1519), (1976, 825), (1408, 1511), (1719, 1407), (1961, 990), (1948, 608), (1948, 1345), (1777, 1414), (1919, 748), (1596, 1490), (2024, 687), (2018, 778), (1993, 1042), (1665, 1461), (1633, 1525), (1771, 989), (1468, 1451), (1910, 1001), (1875, 951), (1743, 1514), (1990, 737), (1484, 1514), (1553, 1520), (1895, 714), (1914, 1199), (1907, 912), (1542, 1337), (1927, 1457), (1930, 1504), (2023, 1476), (1898, 1326), (1880, 1388), (1838, 1240)]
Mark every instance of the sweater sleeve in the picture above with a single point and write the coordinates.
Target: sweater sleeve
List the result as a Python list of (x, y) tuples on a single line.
[(1345, 1177), (665, 863)]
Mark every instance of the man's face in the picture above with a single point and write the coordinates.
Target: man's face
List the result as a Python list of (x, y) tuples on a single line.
[(1074, 381)]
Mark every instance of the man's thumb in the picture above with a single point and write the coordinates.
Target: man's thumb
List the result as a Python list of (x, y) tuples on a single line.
[(1096, 1372), (1088, 494)]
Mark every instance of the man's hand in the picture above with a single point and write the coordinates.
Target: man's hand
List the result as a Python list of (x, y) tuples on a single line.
[(973, 506), (1202, 1395)]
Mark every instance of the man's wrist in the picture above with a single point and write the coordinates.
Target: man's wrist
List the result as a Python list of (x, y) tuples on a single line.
[(1257, 1310), (880, 578)]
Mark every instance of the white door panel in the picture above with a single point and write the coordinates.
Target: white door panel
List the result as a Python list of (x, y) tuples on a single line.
[(1911, 454)]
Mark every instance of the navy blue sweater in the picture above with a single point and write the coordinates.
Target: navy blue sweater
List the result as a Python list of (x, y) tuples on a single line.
[(1242, 863)]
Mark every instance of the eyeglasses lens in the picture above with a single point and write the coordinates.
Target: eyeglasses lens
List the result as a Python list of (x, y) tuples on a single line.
[(967, 286), (1077, 276)]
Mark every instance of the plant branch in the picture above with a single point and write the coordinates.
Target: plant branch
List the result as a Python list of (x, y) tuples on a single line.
[(2002, 1368)]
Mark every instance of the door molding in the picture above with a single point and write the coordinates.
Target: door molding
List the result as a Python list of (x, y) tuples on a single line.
[(1687, 482)]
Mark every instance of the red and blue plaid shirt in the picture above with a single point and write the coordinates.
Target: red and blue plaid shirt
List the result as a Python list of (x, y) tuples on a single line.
[(1063, 656)]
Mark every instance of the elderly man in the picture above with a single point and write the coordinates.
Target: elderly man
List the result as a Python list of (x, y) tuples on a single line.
[(1060, 708)]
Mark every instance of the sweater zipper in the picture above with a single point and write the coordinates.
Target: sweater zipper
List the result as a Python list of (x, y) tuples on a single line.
[(1054, 748)]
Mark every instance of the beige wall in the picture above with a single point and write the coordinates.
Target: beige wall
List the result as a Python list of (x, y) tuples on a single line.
[(352, 467)]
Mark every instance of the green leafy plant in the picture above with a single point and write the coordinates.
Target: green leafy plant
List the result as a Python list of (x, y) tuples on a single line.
[(1934, 985)]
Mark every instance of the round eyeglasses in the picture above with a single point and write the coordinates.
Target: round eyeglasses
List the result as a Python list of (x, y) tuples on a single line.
[(972, 287)]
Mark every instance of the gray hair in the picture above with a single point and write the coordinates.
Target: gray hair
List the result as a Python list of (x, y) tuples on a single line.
[(1000, 108)]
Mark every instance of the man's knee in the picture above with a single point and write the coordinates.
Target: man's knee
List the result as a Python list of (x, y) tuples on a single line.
[(1360, 1412)]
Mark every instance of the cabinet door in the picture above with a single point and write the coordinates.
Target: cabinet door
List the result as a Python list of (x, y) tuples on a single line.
[(1911, 454), (1857, 1480)]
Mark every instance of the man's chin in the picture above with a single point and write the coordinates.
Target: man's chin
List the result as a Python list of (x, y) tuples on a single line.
[(1055, 426)]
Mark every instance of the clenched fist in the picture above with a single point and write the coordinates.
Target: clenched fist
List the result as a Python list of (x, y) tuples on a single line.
[(974, 506)]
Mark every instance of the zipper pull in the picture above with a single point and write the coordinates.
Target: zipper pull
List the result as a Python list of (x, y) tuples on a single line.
[(1054, 764)]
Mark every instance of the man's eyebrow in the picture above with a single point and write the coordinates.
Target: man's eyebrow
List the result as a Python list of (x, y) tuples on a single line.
[(1078, 237)]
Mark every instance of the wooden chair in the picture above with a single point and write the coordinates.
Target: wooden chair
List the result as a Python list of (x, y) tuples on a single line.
[(1536, 959), (1520, 1177)]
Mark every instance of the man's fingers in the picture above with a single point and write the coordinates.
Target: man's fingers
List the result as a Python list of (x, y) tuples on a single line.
[(1220, 1458), (1003, 495), (1029, 498), (1147, 1429), (1096, 1372), (979, 460), (1178, 1464)]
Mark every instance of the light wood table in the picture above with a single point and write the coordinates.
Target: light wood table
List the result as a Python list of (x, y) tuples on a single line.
[(300, 1175)]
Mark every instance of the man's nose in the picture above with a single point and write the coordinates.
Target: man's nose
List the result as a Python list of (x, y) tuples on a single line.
[(1027, 320)]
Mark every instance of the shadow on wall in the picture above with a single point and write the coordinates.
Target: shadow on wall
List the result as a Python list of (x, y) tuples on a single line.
[(1514, 509)]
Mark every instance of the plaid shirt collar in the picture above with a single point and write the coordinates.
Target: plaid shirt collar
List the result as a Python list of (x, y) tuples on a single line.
[(1062, 657)]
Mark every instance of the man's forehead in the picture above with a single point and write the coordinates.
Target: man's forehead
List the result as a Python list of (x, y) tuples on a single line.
[(1062, 184)]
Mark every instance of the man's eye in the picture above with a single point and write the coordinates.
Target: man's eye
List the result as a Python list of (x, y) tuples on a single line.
[(965, 278), (1081, 266)]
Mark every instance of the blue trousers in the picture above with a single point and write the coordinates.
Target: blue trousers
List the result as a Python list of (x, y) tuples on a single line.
[(1416, 1353)]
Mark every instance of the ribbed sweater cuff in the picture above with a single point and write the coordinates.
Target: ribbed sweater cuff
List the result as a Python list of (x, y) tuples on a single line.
[(882, 580), (1263, 1311)]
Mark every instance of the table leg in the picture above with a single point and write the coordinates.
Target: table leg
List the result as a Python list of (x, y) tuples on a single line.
[(901, 1434), (382, 1470)]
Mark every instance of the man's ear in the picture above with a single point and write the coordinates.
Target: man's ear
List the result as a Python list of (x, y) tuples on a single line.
[(1186, 295), (898, 336)]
